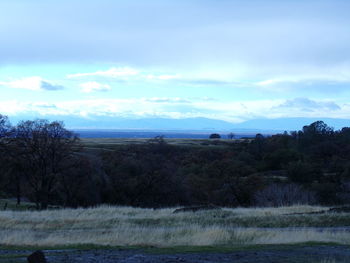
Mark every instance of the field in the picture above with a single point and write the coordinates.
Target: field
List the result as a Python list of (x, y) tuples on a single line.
[(107, 143), (111, 234), (125, 226)]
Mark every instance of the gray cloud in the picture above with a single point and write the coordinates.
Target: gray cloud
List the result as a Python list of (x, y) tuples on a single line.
[(308, 105), (48, 86), (31, 83), (177, 33), (45, 105)]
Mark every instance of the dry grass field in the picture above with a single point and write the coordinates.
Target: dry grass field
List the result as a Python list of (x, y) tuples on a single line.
[(126, 226), (111, 143)]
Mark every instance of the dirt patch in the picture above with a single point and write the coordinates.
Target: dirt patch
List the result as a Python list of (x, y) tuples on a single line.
[(290, 254)]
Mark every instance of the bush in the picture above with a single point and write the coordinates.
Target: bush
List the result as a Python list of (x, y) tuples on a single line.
[(214, 136), (283, 195)]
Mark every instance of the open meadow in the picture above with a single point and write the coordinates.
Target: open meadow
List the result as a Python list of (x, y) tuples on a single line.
[(112, 143), (126, 226), (126, 234)]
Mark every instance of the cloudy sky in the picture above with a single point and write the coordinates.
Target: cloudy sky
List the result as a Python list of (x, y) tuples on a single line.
[(232, 60)]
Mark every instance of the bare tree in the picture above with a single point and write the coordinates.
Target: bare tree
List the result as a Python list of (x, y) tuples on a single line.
[(8, 176), (283, 195), (231, 135), (43, 149), (5, 128)]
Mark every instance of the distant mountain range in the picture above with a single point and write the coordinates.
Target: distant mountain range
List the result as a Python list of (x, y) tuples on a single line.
[(290, 124), (190, 124)]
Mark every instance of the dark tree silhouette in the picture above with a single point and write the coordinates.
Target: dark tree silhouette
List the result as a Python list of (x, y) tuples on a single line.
[(44, 148), (214, 136), (231, 135), (7, 158), (5, 128)]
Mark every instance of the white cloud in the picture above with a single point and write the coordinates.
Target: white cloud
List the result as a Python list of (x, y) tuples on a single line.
[(233, 111), (166, 100), (309, 75), (161, 77), (126, 73), (32, 83), (93, 86), (13, 107), (110, 73), (315, 79)]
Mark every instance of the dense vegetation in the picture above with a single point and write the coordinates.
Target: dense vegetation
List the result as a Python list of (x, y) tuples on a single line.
[(43, 162)]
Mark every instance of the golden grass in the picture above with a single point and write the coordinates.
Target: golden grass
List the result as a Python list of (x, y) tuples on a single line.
[(126, 226)]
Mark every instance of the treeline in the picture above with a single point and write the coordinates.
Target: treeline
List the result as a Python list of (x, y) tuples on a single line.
[(310, 166), (43, 162)]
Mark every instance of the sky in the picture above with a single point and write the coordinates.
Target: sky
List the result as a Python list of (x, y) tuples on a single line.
[(231, 60)]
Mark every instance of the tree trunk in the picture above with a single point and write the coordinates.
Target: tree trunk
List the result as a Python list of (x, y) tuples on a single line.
[(18, 189), (44, 202)]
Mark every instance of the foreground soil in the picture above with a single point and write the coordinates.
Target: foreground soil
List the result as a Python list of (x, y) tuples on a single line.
[(290, 254)]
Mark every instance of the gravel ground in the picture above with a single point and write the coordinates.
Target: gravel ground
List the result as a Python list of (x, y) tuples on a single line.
[(296, 254)]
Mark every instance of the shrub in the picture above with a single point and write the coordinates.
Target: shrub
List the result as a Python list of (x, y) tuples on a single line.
[(283, 195), (214, 136)]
